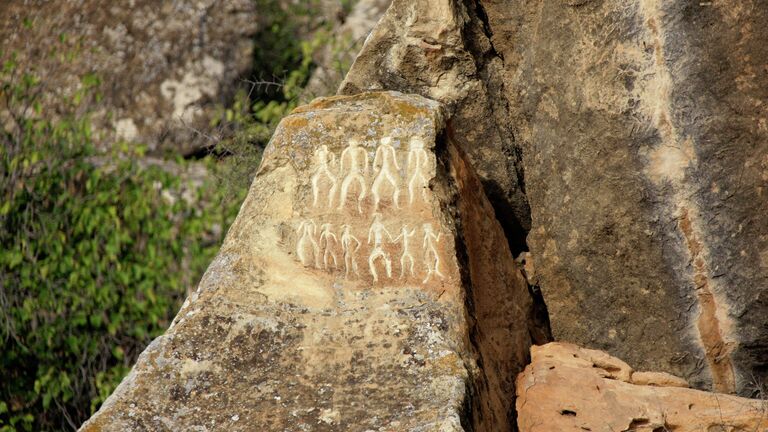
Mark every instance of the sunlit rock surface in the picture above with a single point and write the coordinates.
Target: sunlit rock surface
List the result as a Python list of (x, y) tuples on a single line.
[(624, 145), (360, 287), (568, 388)]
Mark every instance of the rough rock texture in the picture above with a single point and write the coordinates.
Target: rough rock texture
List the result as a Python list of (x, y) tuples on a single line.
[(420, 47), (365, 285), (643, 129), (568, 388), (334, 60), (163, 66)]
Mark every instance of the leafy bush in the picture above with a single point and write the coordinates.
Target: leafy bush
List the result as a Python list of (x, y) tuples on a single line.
[(96, 255)]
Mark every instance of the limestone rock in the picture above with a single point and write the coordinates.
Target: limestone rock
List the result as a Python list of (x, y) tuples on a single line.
[(644, 140), (564, 390), (163, 66), (360, 288)]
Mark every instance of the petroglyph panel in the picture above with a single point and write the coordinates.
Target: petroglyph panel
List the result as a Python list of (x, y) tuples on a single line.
[(387, 256), (363, 210)]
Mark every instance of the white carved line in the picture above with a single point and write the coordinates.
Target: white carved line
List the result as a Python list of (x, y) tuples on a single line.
[(323, 170), (376, 233), (385, 159), (431, 256), (306, 231), (406, 256), (352, 155)]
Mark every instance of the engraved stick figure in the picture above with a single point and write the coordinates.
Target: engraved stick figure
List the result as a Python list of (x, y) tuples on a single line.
[(350, 262), (322, 170), (431, 257), (376, 232), (385, 159), (405, 235), (353, 155), (307, 232), (326, 237), (418, 163)]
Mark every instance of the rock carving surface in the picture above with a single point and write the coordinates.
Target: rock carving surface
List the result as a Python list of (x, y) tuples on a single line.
[(345, 305), (624, 145), (568, 388)]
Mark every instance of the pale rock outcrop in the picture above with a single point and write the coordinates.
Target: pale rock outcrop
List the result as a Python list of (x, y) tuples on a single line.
[(365, 285), (568, 388), (628, 140)]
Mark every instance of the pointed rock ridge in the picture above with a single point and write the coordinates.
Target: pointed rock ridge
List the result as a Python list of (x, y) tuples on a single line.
[(423, 47), (643, 128), (569, 388), (365, 285)]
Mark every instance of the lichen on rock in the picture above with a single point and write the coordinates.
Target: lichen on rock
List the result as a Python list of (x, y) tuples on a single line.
[(345, 293)]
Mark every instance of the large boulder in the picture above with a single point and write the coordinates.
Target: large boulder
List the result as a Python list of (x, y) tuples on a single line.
[(568, 388), (642, 184), (365, 285)]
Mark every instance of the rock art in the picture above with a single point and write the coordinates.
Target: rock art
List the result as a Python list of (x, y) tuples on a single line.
[(337, 302), (624, 145), (565, 389), (421, 47)]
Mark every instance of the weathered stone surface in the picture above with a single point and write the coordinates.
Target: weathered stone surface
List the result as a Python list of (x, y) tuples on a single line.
[(643, 130), (362, 287), (334, 59), (566, 389), (423, 47), (649, 240), (163, 66)]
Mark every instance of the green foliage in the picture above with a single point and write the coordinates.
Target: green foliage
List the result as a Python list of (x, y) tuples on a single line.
[(96, 254), (283, 61)]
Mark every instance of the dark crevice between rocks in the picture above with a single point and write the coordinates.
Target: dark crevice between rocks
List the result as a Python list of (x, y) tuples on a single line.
[(442, 185), (490, 404), (483, 17), (511, 206)]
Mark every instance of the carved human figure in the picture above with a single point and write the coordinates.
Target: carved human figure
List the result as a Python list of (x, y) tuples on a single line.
[(431, 256), (350, 250), (355, 160), (385, 166), (404, 238), (418, 167), (328, 243), (376, 234), (323, 171), (306, 240)]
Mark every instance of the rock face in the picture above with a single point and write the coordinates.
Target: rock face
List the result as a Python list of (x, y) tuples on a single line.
[(334, 60), (365, 285), (567, 388), (420, 47), (628, 141), (163, 67)]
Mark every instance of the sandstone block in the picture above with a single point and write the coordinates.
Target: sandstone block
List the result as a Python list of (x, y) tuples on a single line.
[(564, 390), (362, 287)]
